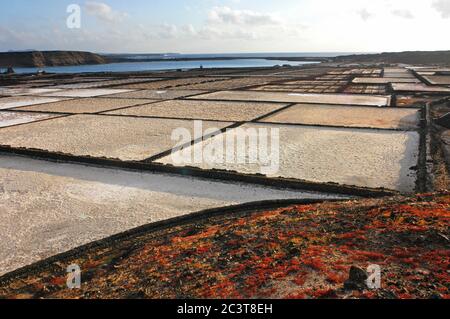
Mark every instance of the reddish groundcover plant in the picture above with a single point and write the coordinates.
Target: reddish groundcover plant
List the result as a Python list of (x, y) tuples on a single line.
[(294, 252)]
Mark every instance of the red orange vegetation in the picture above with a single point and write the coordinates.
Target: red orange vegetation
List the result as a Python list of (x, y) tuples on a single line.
[(294, 252)]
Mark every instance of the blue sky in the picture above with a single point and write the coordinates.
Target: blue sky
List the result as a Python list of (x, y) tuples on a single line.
[(214, 26)]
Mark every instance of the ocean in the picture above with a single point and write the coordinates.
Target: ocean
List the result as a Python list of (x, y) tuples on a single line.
[(258, 61)]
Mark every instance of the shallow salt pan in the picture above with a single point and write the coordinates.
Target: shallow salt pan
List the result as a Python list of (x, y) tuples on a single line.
[(385, 80), (350, 116), (206, 110), (344, 99), (438, 79), (87, 105), (103, 83), (113, 137), (404, 87), (86, 92), (49, 208), (229, 84), (156, 94), (14, 118), (158, 85), (26, 91), (360, 157), (19, 101), (399, 75), (396, 70)]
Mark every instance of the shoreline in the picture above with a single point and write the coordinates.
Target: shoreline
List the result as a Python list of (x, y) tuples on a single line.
[(121, 68), (219, 58)]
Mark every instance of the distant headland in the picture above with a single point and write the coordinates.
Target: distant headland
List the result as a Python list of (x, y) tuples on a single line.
[(49, 58), (407, 57)]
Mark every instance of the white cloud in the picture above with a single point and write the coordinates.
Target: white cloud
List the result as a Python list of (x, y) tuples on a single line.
[(403, 13), (309, 25), (231, 24), (364, 14), (227, 15), (168, 31), (221, 24), (213, 33), (443, 6), (104, 12)]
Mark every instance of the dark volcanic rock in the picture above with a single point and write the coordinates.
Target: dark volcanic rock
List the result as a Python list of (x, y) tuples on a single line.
[(444, 121), (356, 280)]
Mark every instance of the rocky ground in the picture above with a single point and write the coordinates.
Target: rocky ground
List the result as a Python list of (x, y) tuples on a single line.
[(440, 145), (308, 251)]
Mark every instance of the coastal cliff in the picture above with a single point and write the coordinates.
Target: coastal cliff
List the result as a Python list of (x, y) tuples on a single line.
[(49, 58)]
